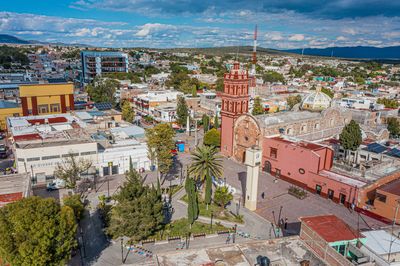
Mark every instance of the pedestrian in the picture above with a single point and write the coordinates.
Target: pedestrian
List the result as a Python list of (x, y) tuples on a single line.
[(263, 195), (286, 222), (228, 239)]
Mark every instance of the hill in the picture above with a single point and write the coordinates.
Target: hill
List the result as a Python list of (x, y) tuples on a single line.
[(4, 38), (357, 52), (226, 50)]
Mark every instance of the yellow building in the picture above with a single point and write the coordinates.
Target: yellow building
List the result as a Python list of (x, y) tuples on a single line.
[(8, 109), (40, 99)]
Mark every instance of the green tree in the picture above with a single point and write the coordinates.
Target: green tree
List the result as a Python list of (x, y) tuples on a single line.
[(37, 231), (194, 91), (393, 126), (219, 85), (257, 108), (102, 90), (192, 209), (272, 76), (327, 92), (293, 100), (75, 203), (160, 140), (138, 212), (205, 162), (182, 111), (127, 112), (388, 103), (212, 138), (71, 168), (206, 122), (351, 137), (222, 196), (216, 121)]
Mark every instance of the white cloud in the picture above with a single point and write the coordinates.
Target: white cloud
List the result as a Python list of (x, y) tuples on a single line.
[(274, 36), (150, 28), (349, 31), (391, 35), (341, 38), (297, 37)]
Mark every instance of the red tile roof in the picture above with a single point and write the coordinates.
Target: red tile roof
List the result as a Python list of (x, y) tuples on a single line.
[(32, 136), (60, 119), (11, 197), (35, 121), (331, 228)]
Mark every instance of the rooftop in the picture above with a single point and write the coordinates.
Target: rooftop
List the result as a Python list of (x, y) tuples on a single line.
[(12, 188), (392, 187), (286, 117), (8, 104), (379, 242), (331, 228)]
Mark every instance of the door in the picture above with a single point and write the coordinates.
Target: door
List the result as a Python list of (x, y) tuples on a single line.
[(278, 173), (342, 198), (330, 194), (318, 189), (267, 167)]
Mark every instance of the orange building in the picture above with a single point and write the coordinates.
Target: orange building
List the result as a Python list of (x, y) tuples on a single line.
[(40, 99), (381, 199)]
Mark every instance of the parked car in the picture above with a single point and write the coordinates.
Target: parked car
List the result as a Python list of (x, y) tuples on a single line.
[(3, 151), (55, 185)]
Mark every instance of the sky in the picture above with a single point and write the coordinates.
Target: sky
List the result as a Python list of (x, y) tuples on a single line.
[(282, 24)]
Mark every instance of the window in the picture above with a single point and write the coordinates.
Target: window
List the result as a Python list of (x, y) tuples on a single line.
[(303, 128), (330, 194), (318, 189), (277, 173), (381, 197), (21, 160), (15, 114), (273, 153), (55, 108), (43, 108), (50, 157), (301, 171), (73, 154), (33, 159), (289, 131), (88, 153), (316, 126)]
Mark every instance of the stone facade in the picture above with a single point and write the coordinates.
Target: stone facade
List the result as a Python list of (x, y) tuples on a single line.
[(247, 133)]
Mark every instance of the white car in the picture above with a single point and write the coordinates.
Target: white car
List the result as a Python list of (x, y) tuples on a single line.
[(221, 183)]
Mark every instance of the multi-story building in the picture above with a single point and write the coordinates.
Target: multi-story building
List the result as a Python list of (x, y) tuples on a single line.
[(145, 104), (96, 63), (46, 98)]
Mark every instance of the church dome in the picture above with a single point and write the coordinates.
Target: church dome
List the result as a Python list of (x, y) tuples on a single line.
[(316, 101)]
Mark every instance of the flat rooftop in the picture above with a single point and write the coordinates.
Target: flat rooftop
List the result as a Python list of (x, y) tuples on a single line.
[(281, 251), (12, 188), (379, 242), (331, 228)]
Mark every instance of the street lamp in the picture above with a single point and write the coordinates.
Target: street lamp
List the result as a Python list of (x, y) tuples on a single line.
[(122, 250)]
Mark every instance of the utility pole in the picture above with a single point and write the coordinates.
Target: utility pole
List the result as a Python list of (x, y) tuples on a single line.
[(195, 133), (393, 224)]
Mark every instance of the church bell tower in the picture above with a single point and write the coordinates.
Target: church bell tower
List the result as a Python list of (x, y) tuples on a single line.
[(235, 102)]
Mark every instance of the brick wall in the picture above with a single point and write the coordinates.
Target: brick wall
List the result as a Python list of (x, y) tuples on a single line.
[(321, 247)]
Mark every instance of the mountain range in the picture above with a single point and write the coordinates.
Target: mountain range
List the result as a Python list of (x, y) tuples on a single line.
[(356, 52)]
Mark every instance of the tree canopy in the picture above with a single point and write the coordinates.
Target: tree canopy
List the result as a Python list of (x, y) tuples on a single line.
[(258, 109), (327, 92), (393, 126), (388, 103), (212, 138), (37, 231), (293, 100), (272, 76), (192, 208), (351, 137), (71, 168), (127, 112), (102, 90), (138, 212), (182, 111), (160, 141)]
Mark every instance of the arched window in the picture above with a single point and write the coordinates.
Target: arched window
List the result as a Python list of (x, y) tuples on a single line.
[(289, 131), (303, 128), (316, 126), (332, 122), (267, 167)]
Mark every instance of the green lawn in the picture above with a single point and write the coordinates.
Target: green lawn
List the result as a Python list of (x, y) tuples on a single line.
[(217, 213), (181, 228)]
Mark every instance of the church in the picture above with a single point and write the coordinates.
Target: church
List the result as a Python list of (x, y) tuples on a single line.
[(312, 120)]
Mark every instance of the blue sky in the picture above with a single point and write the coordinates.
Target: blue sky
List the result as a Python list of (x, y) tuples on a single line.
[(282, 24)]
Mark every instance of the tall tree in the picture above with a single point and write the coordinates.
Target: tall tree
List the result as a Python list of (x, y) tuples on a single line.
[(212, 138), (293, 100), (138, 212), (160, 140), (351, 137), (37, 231), (208, 195), (206, 122), (216, 121), (194, 91), (102, 90), (257, 108), (130, 164), (182, 111), (127, 112), (71, 168), (192, 209), (393, 126), (205, 162)]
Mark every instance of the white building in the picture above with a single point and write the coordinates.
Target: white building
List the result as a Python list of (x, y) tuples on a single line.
[(356, 103)]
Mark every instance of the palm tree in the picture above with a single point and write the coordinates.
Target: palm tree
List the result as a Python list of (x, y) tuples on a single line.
[(206, 163)]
